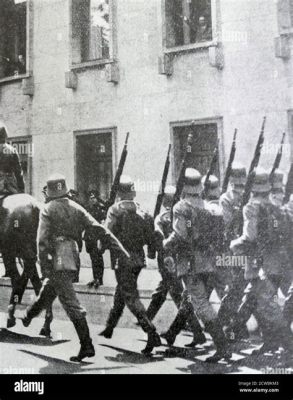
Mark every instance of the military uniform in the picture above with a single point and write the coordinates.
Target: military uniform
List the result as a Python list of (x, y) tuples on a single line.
[(169, 283), (62, 223), (134, 228), (257, 242), (230, 203), (190, 244), (220, 278)]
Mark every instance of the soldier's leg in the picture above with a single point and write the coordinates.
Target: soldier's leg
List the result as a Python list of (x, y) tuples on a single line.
[(115, 312), (232, 300), (160, 294), (247, 307), (185, 314), (43, 301), (158, 298), (274, 328), (97, 265), (131, 298), (205, 311), (63, 284)]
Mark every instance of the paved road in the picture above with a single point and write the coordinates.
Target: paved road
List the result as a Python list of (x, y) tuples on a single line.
[(23, 351)]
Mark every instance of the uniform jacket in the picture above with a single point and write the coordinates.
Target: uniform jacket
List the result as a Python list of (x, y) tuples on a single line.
[(139, 231), (11, 178), (247, 244), (65, 218), (192, 255)]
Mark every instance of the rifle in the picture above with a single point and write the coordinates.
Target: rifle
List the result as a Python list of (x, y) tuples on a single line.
[(118, 174), (278, 158), (179, 185), (211, 171), (289, 185), (163, 184), (230, 163), (251, 173)]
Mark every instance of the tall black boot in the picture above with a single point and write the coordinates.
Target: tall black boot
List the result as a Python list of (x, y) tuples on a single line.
[(11, 321), (153, 341), (86, 346), (176, 327), (194, 325), (215, 330), (46, 328)]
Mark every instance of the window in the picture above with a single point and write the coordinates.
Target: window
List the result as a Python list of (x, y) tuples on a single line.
[(13, 28), (94, 162), (291, 12), (24, 147), (205, 140), (187, 22), (90, 30)]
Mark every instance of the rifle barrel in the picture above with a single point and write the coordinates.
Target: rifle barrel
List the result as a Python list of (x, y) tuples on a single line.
[(230, 162)]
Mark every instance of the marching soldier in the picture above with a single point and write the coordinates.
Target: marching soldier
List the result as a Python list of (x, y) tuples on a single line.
[(221, 277), (191, 243), (62, 223), (170, 282), (230, 202), (260, 242), (134, 228)]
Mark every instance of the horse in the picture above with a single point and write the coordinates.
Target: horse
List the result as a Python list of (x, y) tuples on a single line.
[(19, 220)]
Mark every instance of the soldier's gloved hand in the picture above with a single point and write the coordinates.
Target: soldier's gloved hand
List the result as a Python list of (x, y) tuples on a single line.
[(169, 264)]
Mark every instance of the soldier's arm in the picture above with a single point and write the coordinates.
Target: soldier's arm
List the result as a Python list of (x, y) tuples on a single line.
[(249, 233), (179, 236), (103, 233), (18, 173)]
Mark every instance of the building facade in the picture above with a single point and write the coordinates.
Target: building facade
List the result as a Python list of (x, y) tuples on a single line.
[(77, 75)]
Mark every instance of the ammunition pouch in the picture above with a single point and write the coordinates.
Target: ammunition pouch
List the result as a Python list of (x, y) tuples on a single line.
[(66, 255)]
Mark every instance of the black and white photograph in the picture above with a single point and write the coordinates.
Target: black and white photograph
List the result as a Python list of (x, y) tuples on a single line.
[(146, 193)]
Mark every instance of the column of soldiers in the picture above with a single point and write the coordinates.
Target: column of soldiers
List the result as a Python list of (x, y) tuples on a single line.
[(189, 236)]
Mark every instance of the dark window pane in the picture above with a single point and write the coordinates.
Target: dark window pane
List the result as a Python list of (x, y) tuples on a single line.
[(188, 21), (204, 142), (90, 30), (12, 37)]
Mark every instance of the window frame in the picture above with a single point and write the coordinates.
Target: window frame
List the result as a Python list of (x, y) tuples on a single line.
[(112, 42), (28, 139), (29, 44), (96, 131), (193, 46), (218, 120)]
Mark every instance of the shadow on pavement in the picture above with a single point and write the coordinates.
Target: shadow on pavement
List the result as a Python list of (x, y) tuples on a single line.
[(58, 366), (7, 336), (131, 357), (244, 365)]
